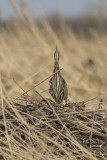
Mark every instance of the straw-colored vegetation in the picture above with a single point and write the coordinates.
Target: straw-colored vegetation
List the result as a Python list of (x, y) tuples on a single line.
[(34, 128)]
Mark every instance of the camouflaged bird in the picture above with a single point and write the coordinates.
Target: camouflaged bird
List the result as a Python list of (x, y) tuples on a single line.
[(58, 86)]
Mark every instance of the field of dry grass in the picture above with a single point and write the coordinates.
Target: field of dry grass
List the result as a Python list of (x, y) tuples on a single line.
[(26, 61)]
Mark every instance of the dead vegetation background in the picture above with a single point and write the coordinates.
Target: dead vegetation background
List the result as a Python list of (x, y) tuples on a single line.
[(32, 130)]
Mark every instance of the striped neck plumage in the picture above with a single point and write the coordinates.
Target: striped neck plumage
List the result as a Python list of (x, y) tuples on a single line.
[(56, 61)]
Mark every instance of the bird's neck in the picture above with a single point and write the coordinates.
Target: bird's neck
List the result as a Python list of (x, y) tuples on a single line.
[(56, 67)]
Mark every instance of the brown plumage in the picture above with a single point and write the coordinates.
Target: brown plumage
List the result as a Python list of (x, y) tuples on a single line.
[(58, 86)]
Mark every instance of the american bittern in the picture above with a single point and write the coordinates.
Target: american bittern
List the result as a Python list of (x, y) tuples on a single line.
[(58, 86)]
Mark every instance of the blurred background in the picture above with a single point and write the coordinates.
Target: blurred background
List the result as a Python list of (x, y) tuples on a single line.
[(79, 14), (69, 8), (29, 33)]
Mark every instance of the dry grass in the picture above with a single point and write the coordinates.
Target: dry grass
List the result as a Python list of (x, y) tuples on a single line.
[(42, 131)]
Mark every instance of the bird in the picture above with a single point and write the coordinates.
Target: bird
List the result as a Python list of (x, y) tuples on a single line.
[(57, 85)]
